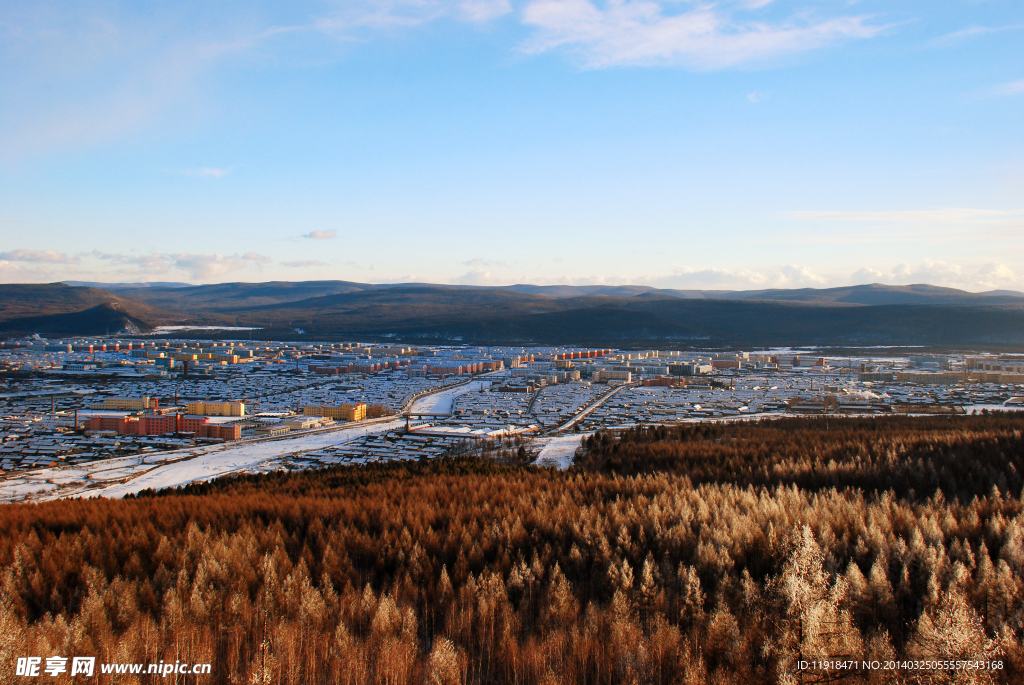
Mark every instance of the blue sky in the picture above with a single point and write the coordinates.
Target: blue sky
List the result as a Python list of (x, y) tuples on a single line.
[(674, 143)]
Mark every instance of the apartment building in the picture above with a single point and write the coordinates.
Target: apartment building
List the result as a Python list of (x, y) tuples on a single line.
[(342, 412), (130, 403), (216, 408)]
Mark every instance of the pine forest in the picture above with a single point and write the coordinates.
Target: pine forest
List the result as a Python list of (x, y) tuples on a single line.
[(707, 553)]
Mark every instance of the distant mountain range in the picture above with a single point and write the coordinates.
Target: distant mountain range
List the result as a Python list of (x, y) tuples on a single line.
[(530, 314), (122, 286), (230, 295), (858, 294)]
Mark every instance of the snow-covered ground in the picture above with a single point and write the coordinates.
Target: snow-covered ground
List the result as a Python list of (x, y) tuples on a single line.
[(118, 477), (164, 330), (559, 452), (591, 407), (441, 402), (978, 408), (239, 458), (128, 475)]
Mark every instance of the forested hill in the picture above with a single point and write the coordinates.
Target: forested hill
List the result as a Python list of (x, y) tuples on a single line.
[(56, 309), (614, 316)]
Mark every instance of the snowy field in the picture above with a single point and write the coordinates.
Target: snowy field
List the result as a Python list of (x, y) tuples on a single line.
[(165, 330), (978, 408), (559, 452)]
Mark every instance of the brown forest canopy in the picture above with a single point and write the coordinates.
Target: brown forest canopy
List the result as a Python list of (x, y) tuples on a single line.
[(710, 553)]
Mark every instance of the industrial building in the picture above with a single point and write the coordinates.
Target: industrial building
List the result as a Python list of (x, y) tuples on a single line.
[(200, 426)]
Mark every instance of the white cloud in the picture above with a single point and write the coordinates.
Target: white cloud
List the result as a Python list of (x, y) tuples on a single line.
[(355, 20), (800, 277), (1012, 88), (975, 278), (480, 261), (148, 263), (14, 272), (996, 275), (382, 15), (648, 32), (205, 171), (45, 256), (199, 267), (866, 275), (684, 278), (692, 278), (83, 78), (713, 278), (971, 277), (304, 263), (710, 35), (388, 15), (754, 97), (957, 37), (203, 267), (321, 235), (484, 10), (476, 277)]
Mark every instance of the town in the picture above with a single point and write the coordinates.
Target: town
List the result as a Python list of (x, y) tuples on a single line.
[(73, 411)]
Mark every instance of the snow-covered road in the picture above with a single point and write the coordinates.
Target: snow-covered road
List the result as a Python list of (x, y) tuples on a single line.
[(125, 475), (441, 402), (239, 458)]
